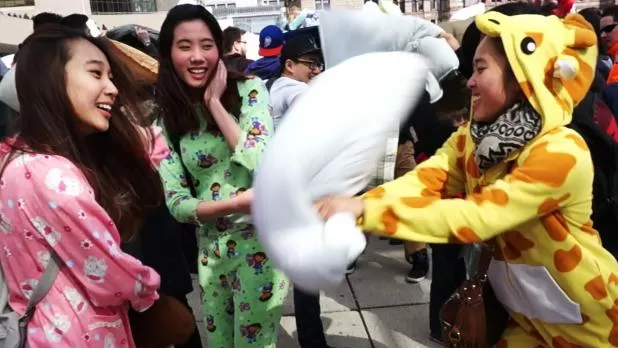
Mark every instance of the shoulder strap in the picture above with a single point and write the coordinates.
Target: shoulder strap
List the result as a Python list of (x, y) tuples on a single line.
[(51, 271), (44, 284)]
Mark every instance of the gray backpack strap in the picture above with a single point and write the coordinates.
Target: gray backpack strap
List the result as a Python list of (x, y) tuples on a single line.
[(43, 286)]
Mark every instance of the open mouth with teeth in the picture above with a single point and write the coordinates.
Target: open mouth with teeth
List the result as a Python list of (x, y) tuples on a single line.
[(105, 107)]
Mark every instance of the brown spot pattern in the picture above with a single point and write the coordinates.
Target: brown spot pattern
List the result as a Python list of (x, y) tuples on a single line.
[(460, 163), (377, 192), (579, 141), (613, 279), (612, 314), (551, 205), (467, 235), (493, 195), (433, 179), (418, 202), (390, 221), (471, 168), (588, 228), (567, 260), (461, 142), (556, 226), (596, 288), (536, 170), (515, 244), (578, 87)]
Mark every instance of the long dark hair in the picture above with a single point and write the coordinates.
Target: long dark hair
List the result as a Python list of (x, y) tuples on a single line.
[(115, 162), (176, 108)]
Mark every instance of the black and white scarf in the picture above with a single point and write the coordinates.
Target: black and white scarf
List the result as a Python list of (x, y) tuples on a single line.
[(509, 132)]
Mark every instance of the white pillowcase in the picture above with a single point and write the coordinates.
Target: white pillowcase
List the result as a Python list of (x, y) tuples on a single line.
[(329, 143)]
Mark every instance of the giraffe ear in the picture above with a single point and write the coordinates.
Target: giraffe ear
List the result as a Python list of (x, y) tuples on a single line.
[(581, 32), (492, 23)]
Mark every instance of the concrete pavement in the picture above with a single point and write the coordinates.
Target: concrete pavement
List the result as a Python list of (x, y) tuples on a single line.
[(373, 308)]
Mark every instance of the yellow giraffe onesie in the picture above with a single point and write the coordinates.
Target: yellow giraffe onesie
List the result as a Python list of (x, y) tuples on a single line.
[(549, 269)]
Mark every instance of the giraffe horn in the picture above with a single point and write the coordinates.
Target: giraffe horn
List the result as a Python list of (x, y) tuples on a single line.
[(583, 35)]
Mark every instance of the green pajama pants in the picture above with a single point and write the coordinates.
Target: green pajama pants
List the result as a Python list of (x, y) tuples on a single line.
[(242, 293)]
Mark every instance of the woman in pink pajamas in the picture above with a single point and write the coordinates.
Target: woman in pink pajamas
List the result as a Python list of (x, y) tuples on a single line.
[(80, 179)]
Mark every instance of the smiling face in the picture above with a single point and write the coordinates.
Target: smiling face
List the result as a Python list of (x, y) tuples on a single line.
[(89, 87), (304, 68), (194, 53), (493, 85)]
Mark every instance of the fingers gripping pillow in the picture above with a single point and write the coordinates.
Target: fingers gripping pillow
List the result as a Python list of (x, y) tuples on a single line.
[(329, 144)]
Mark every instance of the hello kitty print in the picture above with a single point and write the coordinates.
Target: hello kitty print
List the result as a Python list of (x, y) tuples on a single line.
[(47, 204)]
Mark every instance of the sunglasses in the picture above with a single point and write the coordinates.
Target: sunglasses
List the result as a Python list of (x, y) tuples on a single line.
[(608, 28)]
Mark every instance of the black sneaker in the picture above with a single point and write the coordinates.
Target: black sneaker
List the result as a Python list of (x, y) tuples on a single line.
[(420, 267), (351, 268)]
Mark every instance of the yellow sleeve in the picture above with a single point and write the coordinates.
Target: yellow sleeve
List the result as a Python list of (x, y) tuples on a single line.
[(549, 175), (440, 175)]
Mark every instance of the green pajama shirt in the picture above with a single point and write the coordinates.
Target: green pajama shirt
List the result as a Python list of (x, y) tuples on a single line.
[(242, 293)]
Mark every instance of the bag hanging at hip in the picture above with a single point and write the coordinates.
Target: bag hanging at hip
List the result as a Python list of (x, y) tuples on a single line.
[(473, 317)]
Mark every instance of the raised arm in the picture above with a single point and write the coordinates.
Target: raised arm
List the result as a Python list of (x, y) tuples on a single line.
[(255, 122), (61, 207)]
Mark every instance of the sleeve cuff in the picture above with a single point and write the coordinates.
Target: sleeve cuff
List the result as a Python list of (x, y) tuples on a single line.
[(373, 213)]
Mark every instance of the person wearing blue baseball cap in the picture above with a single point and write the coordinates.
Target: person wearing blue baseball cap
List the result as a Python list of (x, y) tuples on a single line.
[(271, 43)]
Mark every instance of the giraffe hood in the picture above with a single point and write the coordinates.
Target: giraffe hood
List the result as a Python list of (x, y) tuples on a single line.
[(553, 59)]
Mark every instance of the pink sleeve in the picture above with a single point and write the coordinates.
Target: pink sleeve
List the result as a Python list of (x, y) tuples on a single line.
[(60, 205), (160, 148)]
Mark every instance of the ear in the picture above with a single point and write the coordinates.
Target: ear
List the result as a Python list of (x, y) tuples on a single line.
[(579, 32), (289, 64), (492, 23)]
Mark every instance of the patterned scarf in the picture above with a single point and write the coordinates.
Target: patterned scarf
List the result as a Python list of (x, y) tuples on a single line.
[(509, 132)]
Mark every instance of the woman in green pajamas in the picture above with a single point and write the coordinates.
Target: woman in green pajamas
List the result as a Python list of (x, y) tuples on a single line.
[(218, 123)]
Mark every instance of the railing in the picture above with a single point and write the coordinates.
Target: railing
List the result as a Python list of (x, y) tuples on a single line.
[(122, 6), (246, 11), (16, 3)]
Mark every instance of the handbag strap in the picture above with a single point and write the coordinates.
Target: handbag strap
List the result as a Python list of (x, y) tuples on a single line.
[(487, 250)]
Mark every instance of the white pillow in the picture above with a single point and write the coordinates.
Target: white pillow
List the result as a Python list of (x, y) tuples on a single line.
[(329, 143)]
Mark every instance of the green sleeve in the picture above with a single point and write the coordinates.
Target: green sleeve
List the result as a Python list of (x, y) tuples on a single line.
[(182, 205), (256, 123)]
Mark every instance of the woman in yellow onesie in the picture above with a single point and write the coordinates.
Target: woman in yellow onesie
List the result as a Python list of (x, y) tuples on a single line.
[(528, 183)]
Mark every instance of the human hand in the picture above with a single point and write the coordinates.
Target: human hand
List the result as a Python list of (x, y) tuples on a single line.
[(244, 201), (217, 84), (450, 39), (329, 206)]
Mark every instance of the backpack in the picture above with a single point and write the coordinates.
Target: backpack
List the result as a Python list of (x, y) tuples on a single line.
[(12, 325), (604, 153)]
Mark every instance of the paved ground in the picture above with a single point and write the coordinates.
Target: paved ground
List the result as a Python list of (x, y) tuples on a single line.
[(374, 308)]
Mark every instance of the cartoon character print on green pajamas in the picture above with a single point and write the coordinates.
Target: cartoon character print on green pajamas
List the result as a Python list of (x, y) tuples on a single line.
[(242, 292)]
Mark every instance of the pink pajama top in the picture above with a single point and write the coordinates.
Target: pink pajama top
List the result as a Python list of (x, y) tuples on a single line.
[(47, 204)]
